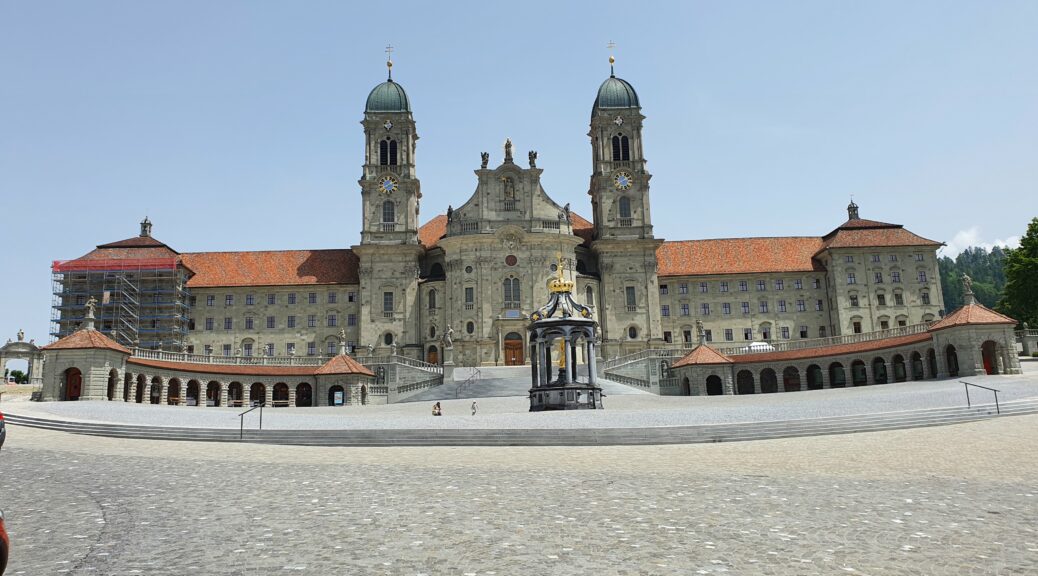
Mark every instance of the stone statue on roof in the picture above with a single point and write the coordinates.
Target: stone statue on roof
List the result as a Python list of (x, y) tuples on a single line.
[(485, 160), (967, 284), (91, 306), (508, 150), (21, 335), (450, 213), (533, 158), (700, 331)]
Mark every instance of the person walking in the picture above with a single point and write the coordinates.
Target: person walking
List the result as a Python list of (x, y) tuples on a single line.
[(436, 411), (473, 407)]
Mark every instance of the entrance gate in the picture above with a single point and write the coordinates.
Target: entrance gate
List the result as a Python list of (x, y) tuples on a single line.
[(514, 350)]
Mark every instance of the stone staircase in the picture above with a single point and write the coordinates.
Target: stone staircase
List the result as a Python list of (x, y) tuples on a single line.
[(547, 437)]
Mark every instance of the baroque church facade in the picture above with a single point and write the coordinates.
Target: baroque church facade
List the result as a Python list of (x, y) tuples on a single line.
[(479, 270)]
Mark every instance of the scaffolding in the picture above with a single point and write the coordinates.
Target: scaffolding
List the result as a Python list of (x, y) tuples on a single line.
[(141, 302)]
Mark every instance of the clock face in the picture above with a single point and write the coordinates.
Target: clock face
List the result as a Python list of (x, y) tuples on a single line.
[(618, 121), (388, 184), (388, 125), (622, 180)]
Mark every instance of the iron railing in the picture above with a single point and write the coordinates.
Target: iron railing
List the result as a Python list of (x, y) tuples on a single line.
[(967, 385), (241, 418)]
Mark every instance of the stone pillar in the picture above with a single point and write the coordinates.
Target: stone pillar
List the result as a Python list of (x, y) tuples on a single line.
[(868, 374), (756, 383), (268, 394), (926, 368), (592, 369), (164, 397), (826, 384), (729, 386)]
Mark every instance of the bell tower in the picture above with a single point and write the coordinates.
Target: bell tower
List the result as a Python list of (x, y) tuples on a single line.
[(619, 181)]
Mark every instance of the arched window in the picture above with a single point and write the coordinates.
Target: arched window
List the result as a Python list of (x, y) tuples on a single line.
[(383, 152), (511, 286), (392, 152), (625, 207), (625, 148), (589, 296), (616, 148), (388, 211), (632, 332), (388, 338), (432, 299)]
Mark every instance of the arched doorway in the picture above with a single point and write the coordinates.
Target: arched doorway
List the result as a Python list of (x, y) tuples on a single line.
[(916, 360), (768, 381), (837, 375), (336, 396), (744, 382), (113, 381), (432, 356), (142, 383), (931, 359), (155, 392), (235, 393), (791, 379), (686, 388), (257, 394), (989, 351), (514, 349), (953, 360), (212, 393), (280, 399), (173, 394), (713, 385), (304, 395), (73, 384), (193, 386), (858, 375), (127, 387), (879, 371), (900, 374), (814, 377)]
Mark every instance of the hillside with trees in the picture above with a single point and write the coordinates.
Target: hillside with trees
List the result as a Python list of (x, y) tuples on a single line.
[(987, 269)]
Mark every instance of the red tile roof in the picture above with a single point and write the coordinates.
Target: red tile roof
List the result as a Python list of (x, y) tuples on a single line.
[(738, 256), (582, 227), (972, 314), (702, 354), (337, 365), (343, 364), (272, 268), (836, 350), (84, 339), (858, 232), (431, 232)]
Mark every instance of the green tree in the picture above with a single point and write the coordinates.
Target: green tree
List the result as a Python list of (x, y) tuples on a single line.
[(20, 377), (1020, 298), (986, 270)]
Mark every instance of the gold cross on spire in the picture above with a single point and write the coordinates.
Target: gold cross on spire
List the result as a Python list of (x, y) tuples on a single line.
[(389, 59), (611, 45)]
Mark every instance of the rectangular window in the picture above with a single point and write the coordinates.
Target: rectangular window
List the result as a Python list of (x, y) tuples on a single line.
[(248, 322), (387, 304), (743, 286), (745, 307), (331, 347), (683, 288), (884, 324), (899, 299), (290, 348), (311, 348), (228, 323), (271, 322), (228, 300), (723, 287), (803, 331), (762, 306), (747, 333), (208, 350), (470, 296), (351, 320), (848, 259), (311, 321), (247, 349), (704, 288), (333, 297), (785, 332), (857, 327), (801, 306), (918, 257), (922, 277), (210, 300), (632, 301), (875, 257), (663, 289), (761, 285), (895, 277), (687, 336), (290, 322), (685, 309), (709, 335), (272, 299), (854, 300), (208, 323), (226, 349), (250, 299), (779, 285), (351, 296), (879, 277), (270, 349), (816, 283), (893, 257), (728, 335), (667, 336), (292, 298), (798, 284), (726, 308), (818, 305), (312, 298), (881, 299), (821, 331), (925, 296), (851, 279), (333, 320), (665, 310), (704, 309), (781, 305)]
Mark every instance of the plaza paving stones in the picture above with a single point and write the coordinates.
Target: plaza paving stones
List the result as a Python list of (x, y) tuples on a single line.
[(959, 499)]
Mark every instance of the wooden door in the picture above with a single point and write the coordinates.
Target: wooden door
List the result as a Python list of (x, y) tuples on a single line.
[(74, 385), (514, 353)]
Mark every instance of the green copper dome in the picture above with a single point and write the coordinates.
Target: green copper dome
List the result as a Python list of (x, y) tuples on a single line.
[(616, 93), (388, 97)]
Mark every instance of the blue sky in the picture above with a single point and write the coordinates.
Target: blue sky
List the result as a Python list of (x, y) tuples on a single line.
[(235, 125)]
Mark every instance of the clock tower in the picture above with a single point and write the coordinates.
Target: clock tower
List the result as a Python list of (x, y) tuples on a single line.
[(623, 242), (389, 251)]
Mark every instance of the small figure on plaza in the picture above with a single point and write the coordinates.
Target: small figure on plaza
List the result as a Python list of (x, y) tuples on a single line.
[(485, 160), (473, 407), (533, 158), (436, 410)]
